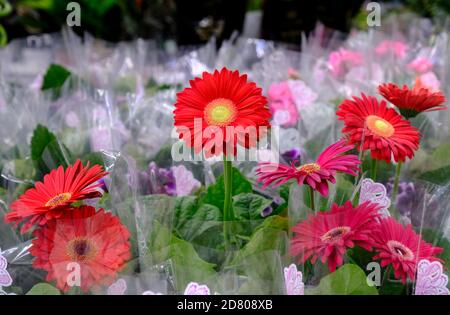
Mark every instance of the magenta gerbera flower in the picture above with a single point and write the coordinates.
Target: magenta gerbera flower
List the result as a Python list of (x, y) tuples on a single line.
[(402, 248), (327, 235), (316, 174)]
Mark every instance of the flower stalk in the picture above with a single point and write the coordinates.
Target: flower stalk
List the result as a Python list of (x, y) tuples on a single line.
[(395, 189), (311, 198), (228, 214)]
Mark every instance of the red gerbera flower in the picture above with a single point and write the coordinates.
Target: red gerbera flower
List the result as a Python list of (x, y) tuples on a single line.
[(316, 174), (95, 244), (59, 189), (217, 101), (414, 101), (402, 248), (372, 126), (327, 235)]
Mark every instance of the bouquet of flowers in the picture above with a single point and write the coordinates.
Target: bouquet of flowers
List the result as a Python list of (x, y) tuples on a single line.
[(128, 170)]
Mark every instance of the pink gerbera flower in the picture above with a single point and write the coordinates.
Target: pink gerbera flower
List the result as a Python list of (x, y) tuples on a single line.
[(327, 235), (316, 174), (402, 248)]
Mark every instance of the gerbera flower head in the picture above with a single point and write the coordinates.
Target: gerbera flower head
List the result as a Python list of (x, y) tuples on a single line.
[(327, 235), (371, 125), (60, 188), (219, 101), (402, 248), (413, 101), (316, 174), (94, 243)]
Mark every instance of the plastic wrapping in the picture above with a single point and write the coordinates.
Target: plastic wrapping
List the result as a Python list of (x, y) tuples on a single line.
[(115, 108)]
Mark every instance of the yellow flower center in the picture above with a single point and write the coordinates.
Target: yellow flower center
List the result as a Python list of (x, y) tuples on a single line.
[(220, 112), (335, 234), (309, 168), (400, 250), (379, 126), (81, 249), (59, 200)]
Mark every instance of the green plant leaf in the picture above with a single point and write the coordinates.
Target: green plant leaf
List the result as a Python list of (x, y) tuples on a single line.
[(94, 158), (215, 193), (5, 8), (344, 190), (186, 263), (46, 152), (249, 206), (3, 36), (37, 4), (55, 77), (439, 157), (192, 219), (438, 239), (440, 176), (271, 235), (43, 289), (347, 280), (100, 6)]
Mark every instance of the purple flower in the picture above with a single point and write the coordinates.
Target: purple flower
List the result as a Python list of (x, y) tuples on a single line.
[(157, 180), (416, 204), (184, 180), (292, 155), (267, 211)]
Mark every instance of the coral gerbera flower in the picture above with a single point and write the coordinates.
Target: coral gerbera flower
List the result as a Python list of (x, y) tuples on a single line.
[(316, 174), (220, 100), (402, 248), (327, 235), (60, 188), (370, 125), (95, 244), (413, 101)]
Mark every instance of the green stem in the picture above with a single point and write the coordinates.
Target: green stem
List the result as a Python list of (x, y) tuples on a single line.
[(373, 169), (361, 158), (395, 189), (227, 206), (387, 271), (311, 198)]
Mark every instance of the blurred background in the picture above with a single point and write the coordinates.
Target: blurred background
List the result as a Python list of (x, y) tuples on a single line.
[(195, 21)]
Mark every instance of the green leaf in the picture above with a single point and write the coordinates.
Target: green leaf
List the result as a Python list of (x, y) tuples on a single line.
[(425, 161), (201, 225), (347, 280), (438, 239), (46, 152), (55, 77), (271, 235), (5, 8), (37, 4), (344, 190), (43, 289), (440, 176), (440, 155), (95, 158), (215, 193), (3, 36), (284, 194), (100, 6), (186, 263), (192, 219), (249, 206)]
